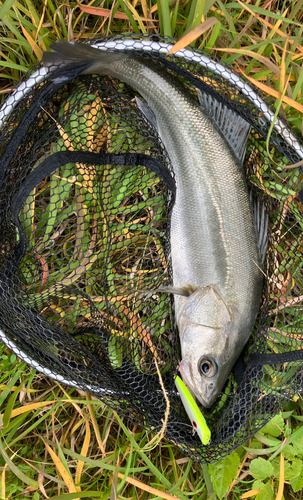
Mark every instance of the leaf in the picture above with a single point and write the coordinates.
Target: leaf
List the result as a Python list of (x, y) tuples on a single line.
[(261, 468), (297, 443), (297, 483), (223, 472), (193, 34), (260, 490), (292, 469), (290, 452), (258, 485), (266, 493), (275, 426)]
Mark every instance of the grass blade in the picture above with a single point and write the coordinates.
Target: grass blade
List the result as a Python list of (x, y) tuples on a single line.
[(136, 15), (114, 490), (16, 470), (129, 15), (6, 7), (163, 7)]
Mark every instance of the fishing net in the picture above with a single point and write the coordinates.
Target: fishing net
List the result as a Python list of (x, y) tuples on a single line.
[(85, 213)]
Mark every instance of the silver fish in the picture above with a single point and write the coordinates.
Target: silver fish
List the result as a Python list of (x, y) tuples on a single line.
[(215, 255)]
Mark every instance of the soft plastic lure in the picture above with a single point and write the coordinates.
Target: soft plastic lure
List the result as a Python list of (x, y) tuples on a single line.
[(198, 421)]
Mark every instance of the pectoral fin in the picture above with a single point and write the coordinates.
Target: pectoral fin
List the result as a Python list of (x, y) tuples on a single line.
[(147, 113), (185, 291)]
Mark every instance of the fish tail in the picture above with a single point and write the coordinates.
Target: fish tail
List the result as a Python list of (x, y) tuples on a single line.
[(67, 59)]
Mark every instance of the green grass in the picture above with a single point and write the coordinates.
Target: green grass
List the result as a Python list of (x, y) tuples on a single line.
[(60, 442)]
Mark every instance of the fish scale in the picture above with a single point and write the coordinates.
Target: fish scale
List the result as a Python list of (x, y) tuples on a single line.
[(215, 258)]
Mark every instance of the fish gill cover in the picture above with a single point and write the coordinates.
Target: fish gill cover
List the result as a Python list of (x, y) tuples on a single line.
[(86, 195)]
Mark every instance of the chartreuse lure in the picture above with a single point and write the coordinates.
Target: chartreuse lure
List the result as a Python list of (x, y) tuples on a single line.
[(193, 412)]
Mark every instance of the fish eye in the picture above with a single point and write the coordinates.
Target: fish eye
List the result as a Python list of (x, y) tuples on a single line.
[(207, 367)]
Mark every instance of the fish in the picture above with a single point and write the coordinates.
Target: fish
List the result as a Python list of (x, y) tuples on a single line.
[(216, 240)]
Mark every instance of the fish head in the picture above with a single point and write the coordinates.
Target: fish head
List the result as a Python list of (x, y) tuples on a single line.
[(209, 337)]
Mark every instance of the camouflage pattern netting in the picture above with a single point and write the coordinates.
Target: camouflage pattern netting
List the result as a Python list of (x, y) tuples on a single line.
[(83, 234)]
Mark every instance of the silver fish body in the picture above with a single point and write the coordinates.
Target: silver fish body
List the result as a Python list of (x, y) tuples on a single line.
[(214, 251)]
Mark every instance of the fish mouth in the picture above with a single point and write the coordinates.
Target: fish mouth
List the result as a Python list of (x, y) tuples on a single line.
[(185, 371)]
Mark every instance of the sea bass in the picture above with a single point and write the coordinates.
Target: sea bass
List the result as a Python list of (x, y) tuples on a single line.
[(216, 260)]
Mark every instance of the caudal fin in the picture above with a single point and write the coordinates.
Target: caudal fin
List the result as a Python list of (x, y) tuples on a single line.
[(66, 58)]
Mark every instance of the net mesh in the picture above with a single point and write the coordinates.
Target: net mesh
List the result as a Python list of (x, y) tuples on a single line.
[(82, 238)]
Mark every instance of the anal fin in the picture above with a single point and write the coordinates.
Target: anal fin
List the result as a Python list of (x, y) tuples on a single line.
[(260, 218)]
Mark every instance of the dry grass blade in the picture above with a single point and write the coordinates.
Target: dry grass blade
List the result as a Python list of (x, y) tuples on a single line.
[(158, 437), (98, 11), (95, 425), (3, 483), (283, 80), (149, 489), (249, 494), (84, 451), (37, 51), (281, 478), (62, 470), (275, 29), (193, 34), (31, 407), (275, 93)]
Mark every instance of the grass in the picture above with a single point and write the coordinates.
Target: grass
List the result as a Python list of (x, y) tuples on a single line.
[(61, 442)]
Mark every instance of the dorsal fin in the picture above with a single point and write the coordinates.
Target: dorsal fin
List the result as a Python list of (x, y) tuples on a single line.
[(233, 127)]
